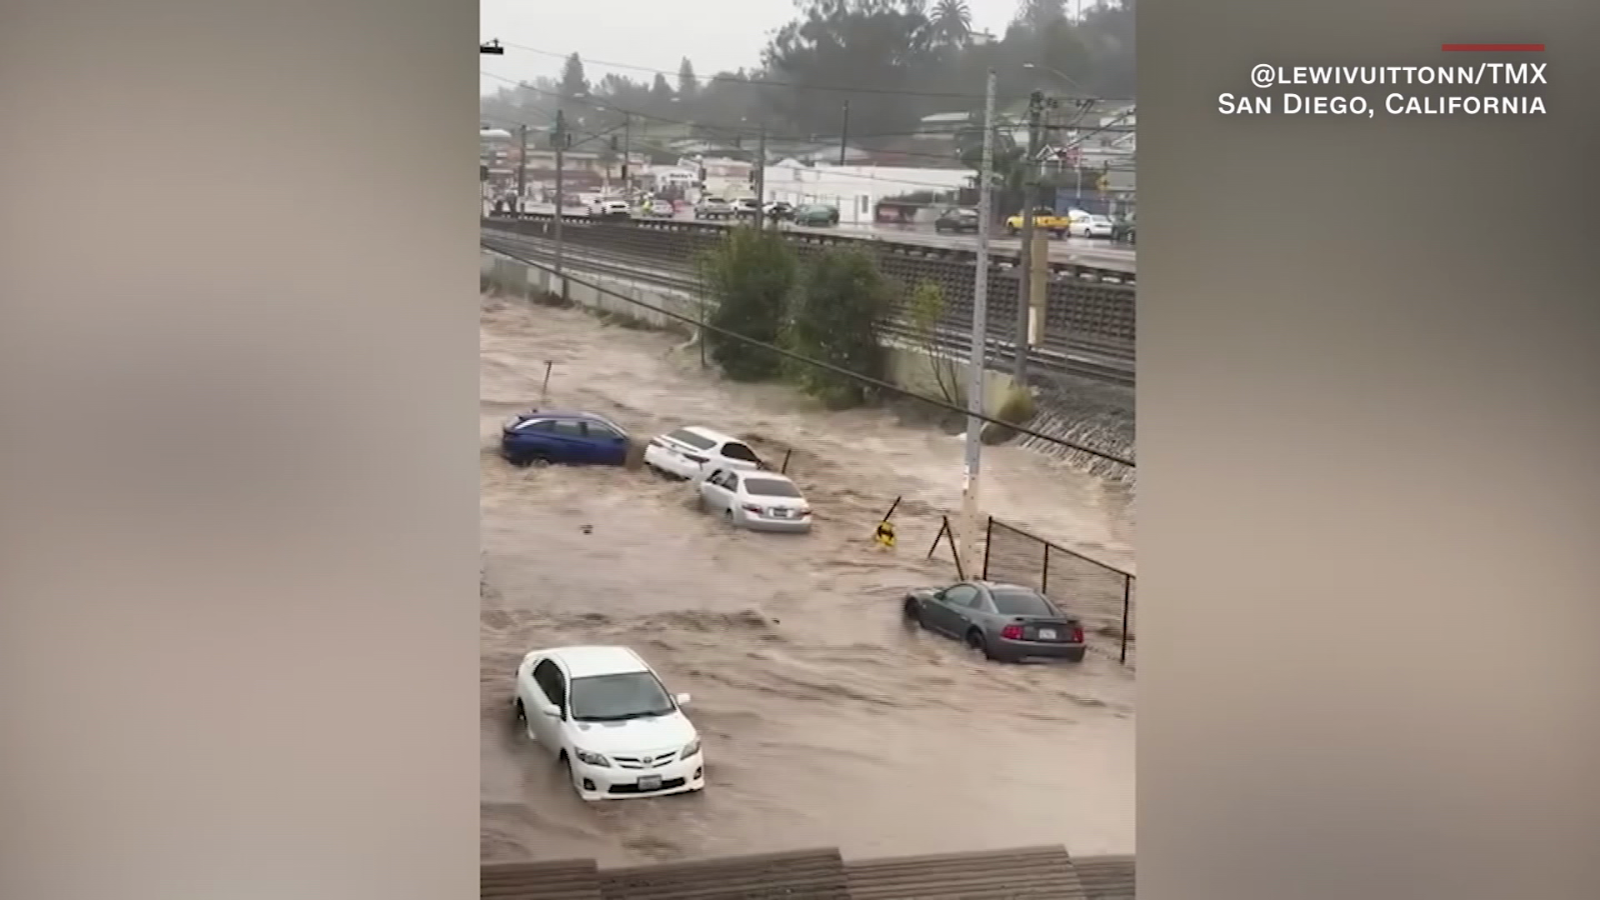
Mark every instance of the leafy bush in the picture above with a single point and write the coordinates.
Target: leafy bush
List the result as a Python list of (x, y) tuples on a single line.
[(749, 277), (834, 318)]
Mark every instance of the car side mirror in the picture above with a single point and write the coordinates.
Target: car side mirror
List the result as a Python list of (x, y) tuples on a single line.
[(683, 699)]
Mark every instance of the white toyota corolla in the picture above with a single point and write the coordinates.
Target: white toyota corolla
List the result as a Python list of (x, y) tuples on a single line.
[(608, 719)]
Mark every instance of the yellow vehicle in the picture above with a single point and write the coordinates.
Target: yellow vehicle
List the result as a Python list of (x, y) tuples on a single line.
[(1043, 218)]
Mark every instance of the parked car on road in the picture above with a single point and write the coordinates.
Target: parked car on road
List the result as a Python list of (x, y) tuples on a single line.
[(1092, 227), (745, 207), (816, 214), (957, 219), (1123, 229), (573, 438), (685, 452), (713, 208), (758, 500), (609, 721), (779, 211), (657, 208), (1000, 621), (609, 209), (1044, 218)]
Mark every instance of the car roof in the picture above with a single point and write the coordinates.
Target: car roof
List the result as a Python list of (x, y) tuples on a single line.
[(588, 660), (709, 434), (763, 473), (1006, 586), (570, 414)]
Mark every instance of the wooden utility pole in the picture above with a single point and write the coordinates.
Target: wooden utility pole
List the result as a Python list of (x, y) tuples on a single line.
[(844, 133), (522, 167), (1030, 199), (761, 178), (559, 138)]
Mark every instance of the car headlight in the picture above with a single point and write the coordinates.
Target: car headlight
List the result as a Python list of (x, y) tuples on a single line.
[(690, 749), (592, 759)]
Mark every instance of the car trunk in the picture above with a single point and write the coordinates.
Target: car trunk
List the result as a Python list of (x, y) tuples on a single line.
[(1048, 629), (777, 509)]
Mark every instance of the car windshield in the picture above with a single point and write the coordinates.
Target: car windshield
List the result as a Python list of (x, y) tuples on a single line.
[(769, 487), (613, 698), (1022, 603)]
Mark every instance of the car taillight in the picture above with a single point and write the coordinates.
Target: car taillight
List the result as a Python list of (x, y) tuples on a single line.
[(1012, 632), (1077, 635), (751, 507)]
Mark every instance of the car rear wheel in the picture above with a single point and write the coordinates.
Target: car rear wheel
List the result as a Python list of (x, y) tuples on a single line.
[(977, 644)]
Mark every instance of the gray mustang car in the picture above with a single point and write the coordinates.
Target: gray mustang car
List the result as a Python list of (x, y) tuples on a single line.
[(1001, 621)]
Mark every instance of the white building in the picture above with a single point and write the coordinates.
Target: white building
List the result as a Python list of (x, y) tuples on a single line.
[(856, 190)]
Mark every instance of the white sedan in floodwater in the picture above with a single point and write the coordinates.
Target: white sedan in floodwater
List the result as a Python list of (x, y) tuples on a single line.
[(760, 500), (606, 717)]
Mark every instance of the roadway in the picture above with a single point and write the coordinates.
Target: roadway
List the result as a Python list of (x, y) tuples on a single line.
[(1083, 251)]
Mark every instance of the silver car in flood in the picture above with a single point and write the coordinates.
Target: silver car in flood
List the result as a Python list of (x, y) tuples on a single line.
[(762, 501), (1000, 621)]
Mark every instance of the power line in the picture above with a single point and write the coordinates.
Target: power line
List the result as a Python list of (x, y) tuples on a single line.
[(752, 131), (817, 363), (740, 79), (764, 82), (817, 141)]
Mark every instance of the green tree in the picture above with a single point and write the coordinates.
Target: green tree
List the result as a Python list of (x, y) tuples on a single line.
[(573, 81), (834, 318), (883, 44), (688, 84), (749, 277), (952, 21)]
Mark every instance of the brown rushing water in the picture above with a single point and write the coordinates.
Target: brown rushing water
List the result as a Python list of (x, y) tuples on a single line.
[(826, 722)]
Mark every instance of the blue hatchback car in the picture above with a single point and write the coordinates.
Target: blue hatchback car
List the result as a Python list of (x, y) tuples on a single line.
[(575, 438)]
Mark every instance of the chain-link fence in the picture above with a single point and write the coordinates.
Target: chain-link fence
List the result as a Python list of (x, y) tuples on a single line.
[(1100, 592)]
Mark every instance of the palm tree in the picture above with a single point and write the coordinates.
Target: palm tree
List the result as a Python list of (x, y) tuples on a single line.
[(953, 21)]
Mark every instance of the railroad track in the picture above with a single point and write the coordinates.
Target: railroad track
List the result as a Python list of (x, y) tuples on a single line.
[(1084, 359)]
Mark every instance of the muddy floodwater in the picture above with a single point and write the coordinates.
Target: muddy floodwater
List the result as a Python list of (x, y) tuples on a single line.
[(826, 722)]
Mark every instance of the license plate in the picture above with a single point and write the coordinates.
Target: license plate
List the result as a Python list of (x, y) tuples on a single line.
[(1047, 634), (780, 514), (650, 782)]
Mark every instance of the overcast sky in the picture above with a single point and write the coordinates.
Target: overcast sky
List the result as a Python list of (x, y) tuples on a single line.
[(717, 35)]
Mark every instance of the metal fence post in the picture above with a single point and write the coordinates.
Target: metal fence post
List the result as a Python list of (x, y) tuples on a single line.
[(1127, 602), (988, 542), (1044, 577)]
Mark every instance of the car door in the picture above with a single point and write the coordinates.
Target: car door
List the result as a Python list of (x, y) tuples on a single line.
[(727, 490), (551, 682), (712, 494), (534, 439), (952, 608), (607, 445), (567, 442)]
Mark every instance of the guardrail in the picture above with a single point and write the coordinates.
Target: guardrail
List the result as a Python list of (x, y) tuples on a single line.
[(1108, 273), (1083, 358)]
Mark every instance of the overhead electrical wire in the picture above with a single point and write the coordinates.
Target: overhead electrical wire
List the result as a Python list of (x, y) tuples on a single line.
[(818, 142)]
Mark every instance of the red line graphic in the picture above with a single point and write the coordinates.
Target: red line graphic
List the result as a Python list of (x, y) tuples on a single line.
[(1494, 48)]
